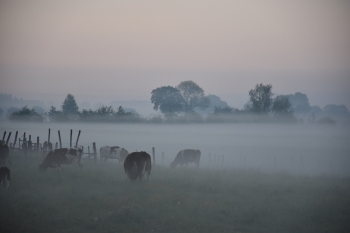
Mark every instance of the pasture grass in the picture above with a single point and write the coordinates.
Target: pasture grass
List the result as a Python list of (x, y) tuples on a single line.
[(99, 198)]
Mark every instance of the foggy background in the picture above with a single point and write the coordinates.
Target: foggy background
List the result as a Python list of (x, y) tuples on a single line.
[(120, 51)]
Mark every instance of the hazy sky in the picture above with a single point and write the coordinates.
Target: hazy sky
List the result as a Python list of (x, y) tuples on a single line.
[(125, 49)]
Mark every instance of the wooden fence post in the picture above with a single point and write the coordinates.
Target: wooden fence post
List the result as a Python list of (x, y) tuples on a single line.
[(30, 143), (76, 143), (71, 133), (8, 138), (154, 157), (37, 143), (48, 139), (14, 143), (3, 137), (95, 152), (59, 138)]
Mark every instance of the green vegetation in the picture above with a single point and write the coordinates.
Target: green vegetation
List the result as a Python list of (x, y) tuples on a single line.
[(98, 198)]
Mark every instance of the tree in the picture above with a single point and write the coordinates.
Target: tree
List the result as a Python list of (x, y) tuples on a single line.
[(300, 103), (261, 98), (193, 95), (26, 114), (69, 106), (56, 116), (168, 100), (281, 105)]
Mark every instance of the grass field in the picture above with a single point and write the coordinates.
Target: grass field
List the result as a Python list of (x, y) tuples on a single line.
[(98, 198)]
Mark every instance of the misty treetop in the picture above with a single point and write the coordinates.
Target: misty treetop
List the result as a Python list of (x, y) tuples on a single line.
[(187, 103), (26, 114), (180, 99), (70, 106)]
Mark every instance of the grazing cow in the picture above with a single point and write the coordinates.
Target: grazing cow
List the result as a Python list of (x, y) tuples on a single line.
[(5, 177), (185, 157), (62, 156), (113, 152), (4, 153), (137, 164)]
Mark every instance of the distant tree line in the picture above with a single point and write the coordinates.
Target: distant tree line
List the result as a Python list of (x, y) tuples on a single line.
[(187, 103)]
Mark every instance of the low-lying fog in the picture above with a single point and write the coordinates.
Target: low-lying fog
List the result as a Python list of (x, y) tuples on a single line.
[(296, 149)]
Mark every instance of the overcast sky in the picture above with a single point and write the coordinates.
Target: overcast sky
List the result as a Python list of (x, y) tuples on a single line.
[(122, 50)]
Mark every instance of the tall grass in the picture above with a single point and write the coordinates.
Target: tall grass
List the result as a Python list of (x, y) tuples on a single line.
[(99, 198)]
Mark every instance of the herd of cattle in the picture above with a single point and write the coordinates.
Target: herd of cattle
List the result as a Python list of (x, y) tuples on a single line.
[(136, 164)]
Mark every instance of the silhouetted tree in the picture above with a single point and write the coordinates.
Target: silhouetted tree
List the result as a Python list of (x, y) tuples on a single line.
[(26, 114), (168, 100), (56, 116), (261, 98), (193, 95), (336, 110), (69, 106), (281, 105), (300, 103)]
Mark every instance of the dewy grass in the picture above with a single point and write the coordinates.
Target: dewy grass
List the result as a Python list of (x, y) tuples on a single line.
[(99, 198)]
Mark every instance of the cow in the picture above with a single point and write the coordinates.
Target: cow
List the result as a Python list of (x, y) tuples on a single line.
[(137, 164), (185, 157), (62, 156), (113, 152), (4, 153), (5, 176)]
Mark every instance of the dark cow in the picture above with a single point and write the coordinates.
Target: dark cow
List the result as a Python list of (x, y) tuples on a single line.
[(113, 152), (62, 156), (4, 153), (5, 177), (185, 157), (137, 164)]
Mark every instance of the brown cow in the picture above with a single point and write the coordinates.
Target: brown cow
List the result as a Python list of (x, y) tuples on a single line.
[(4, 153), (5, 177), (185, 157), (137, 164), (62, 156)]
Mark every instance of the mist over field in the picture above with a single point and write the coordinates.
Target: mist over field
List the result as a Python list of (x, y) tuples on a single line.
[(295, 149)]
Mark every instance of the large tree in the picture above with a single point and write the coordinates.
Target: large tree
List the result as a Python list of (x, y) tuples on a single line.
[(300, 103), (168, 100), (69, 106), (261, 98), (193, 95), (281, 105)]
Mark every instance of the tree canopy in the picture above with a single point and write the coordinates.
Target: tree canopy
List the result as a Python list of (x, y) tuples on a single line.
[(261, 98), (26, 114), (193, 95), (168, 100), (69, 106)]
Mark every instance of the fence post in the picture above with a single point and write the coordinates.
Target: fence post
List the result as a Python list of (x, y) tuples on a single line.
[(3, 137), (95, 152), (48, 139), (71, 133), (8, 138), (30, 143), (59, 137), (14, 143), (76, 143), (154, 157)]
